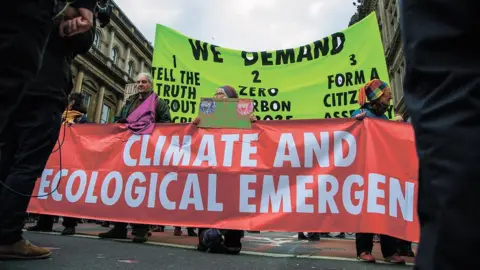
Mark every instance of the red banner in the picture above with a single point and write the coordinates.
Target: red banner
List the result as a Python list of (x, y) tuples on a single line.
[(303, 175)]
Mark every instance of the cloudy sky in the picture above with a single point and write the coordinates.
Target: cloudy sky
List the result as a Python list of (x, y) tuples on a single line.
[(243, 24)]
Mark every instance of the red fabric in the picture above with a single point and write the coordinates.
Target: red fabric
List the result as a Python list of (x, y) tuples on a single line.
[(363, 168)]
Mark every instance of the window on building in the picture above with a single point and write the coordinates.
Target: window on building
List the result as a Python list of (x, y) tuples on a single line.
[(397, 12), (105, 118), (394, 20), (400, 76), (96, 40), (89, 102), (399, 86), (393, 10), (114, 55), (385, 17), (88, 97), (392, 86), (130, 68)]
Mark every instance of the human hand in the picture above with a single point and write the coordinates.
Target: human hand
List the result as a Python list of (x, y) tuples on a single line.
[(196, 121), (76, 21), (253, 118), (361, 116), (398, 118)]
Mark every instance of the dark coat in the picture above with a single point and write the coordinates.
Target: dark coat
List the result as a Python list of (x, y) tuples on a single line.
[(55, 77)]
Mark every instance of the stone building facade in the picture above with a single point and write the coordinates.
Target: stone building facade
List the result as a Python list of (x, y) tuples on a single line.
[(388, 15), (118, 54)]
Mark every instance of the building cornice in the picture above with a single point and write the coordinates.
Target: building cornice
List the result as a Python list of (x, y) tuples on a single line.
[(131, 38), (366, 8), (126, 21)]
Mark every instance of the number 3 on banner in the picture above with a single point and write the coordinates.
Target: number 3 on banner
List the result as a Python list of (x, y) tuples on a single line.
[(353, 61), (256, 74)]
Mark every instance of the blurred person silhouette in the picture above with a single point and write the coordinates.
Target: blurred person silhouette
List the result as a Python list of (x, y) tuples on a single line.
[(27, 110), (442, 96), (74, 114)]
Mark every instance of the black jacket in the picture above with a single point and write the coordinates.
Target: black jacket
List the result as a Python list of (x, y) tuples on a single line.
[(88, 4), (55, 77)]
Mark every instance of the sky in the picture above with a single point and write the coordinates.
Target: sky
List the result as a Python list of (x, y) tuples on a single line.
[(252, 25)]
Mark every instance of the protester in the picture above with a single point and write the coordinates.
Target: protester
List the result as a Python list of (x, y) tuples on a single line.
[(374, 99), (141, 111), (75, 114), (30, 110), (144, 82), (225, 91), (215, 240)]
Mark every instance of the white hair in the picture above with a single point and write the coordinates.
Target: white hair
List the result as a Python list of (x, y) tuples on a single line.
[(147, 75)]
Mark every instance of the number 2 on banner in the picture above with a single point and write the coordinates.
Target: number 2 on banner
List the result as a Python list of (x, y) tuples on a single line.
[(256, 74)]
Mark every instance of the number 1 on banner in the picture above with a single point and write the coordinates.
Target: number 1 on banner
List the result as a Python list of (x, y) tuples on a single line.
[(174, 61)]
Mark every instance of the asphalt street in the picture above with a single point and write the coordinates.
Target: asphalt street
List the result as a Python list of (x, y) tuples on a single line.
[(85, 253)]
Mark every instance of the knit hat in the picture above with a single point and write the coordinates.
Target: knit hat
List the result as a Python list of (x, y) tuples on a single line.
[(229, 91), (372, 90)]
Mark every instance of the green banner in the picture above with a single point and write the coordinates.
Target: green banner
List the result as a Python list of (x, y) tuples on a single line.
[(317, 80)]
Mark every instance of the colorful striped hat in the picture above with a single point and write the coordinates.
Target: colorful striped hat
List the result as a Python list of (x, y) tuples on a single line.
[(372, 90)]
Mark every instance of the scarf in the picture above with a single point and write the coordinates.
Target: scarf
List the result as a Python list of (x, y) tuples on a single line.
[(142, 120)]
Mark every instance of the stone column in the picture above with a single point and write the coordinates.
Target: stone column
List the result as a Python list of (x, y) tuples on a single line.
[(98, 110), (127, 59), (110, 43), (142, 64), (119, 106), (79, 80)]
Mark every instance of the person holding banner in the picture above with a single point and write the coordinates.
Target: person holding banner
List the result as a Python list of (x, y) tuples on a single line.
[(141, 111), (374, 99), (215, 240), (144, 83), (225, 91)]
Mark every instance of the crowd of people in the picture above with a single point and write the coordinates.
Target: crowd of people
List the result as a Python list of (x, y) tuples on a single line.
[(374, 101), (440, 91)]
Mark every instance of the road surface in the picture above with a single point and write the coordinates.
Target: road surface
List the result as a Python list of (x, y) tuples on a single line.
[(77, 252)]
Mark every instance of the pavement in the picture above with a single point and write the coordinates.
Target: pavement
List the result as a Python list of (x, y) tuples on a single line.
[(85, 252), (273, 245)]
